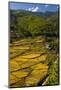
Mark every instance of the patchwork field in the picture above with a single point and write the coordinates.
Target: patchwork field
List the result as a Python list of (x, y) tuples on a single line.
[(29, 62)]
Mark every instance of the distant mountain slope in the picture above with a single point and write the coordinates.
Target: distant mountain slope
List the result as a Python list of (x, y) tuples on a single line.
[(43, 14), (25, 23)]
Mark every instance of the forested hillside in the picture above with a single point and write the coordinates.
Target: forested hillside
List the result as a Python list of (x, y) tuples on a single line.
[(26, 24)]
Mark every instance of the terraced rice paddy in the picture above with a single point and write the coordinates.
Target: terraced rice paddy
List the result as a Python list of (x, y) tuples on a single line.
[(27, 62)]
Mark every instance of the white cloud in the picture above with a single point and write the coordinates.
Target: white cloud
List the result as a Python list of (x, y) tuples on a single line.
[(33, 9), (46, 6), (57, 7), (29, 9)]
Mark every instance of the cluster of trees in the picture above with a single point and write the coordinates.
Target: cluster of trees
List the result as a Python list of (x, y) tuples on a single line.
[(25, 24)]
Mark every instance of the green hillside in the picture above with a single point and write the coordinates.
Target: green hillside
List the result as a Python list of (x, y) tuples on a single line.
[(26, 24)]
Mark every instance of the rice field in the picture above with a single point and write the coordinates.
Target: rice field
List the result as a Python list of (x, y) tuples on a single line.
[(28, 65)]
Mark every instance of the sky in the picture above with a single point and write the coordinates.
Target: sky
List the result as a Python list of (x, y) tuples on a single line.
[(34, 7)]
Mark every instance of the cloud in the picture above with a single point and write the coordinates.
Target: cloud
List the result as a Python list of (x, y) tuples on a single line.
[(33, 9), (30, 9), (57, 7), (46, 6)]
